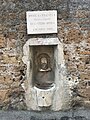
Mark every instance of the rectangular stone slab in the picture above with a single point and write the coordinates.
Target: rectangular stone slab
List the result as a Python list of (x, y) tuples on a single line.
[(41, 22)]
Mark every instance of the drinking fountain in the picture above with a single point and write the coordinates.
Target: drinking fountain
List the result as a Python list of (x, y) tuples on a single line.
[(46, 85)]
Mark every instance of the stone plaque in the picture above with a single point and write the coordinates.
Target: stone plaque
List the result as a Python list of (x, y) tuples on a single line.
[(41, 22)]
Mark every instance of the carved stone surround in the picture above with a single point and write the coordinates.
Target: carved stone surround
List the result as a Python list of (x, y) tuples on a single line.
[(56, 97)]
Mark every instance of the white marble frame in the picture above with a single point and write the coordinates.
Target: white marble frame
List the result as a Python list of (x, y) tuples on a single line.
[(61, 93)]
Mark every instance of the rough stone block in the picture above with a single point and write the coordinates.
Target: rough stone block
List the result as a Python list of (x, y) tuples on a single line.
[(2, 41), (84, 76), (4, 96), (6, 80)]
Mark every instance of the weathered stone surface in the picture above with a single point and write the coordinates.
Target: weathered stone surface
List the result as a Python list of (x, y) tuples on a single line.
[(73, 32), (4, 98), (6, 79), (50, 98), (2, 41)]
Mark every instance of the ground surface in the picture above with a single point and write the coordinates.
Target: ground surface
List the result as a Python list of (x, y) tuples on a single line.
[(76, 114)]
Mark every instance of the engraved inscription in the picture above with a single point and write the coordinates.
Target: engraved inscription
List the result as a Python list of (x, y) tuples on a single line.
[(39, 22)]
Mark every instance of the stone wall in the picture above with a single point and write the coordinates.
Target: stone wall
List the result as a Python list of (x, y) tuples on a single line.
[(73, 32)]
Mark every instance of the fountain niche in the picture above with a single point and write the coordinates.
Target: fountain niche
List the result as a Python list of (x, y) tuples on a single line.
[(44, 86), (43, 66)]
